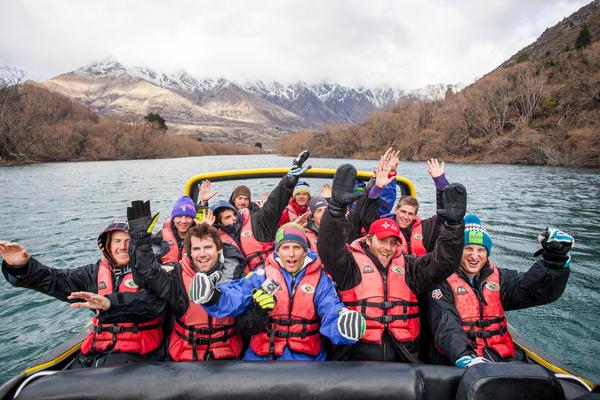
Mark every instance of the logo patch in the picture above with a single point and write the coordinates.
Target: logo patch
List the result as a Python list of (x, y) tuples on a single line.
[(493, 286), (461, 290), (418, 236), (398, 269), (167, 267), (437, 294), (130, 284), (171, 243), (246, 233), (367, 269), (102, 285), (308, 289)]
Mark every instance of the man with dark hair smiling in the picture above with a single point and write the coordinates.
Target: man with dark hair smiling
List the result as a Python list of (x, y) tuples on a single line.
[(373, 275), (196, 336)]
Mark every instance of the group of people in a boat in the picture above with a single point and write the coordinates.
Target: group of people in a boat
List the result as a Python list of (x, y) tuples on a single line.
[(348, 275)]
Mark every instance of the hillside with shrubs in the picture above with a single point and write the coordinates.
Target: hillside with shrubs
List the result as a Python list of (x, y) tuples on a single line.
[(39, 126), (542, 106)]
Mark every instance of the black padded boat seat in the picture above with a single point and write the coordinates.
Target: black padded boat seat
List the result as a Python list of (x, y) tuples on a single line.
[(275, 380), (512, 381), (287, 380)]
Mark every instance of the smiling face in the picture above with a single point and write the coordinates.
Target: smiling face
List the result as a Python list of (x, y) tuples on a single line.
[(302, 198), (291, 255), (383, 249), (119, 247), (405, 215), (473, 259), (204, 253), (241, 202), (182, 224)]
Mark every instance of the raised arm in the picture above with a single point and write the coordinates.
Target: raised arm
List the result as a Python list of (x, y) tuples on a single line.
[(264, 220)]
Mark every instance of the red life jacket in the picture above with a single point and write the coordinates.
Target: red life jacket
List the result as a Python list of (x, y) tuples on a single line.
[(416, 239), (174, 253), (126, 337), (294, 321), (385, 302), (256, 252), (484, 322), (226, 238), (197, 335), (311, 237)]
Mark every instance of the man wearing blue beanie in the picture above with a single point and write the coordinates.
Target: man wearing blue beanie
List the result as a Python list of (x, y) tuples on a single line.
[(466, 312)]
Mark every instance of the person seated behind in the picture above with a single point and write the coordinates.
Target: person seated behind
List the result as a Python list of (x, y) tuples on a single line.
[(241, 198), (297, 300), (172, 235), (298, 205), (196, 336), (466, 312), (418, 235), (374, 276), (257, 231), (127, 326), (316, 206)]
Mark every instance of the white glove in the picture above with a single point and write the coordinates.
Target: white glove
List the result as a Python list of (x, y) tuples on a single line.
[(203, 287), (351, 324), (469, 361)]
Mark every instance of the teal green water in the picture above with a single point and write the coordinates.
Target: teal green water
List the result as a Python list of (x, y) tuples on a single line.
[(57, 210)]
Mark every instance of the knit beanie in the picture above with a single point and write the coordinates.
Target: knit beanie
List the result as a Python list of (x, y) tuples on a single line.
[(184, 206), (291, 232), (241, 190), (359, 187), (302, 187), (477, 234), (316, 203)]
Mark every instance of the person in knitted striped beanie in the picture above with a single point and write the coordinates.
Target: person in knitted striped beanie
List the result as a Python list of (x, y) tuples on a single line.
[(478, 246), (477, 234), (291, 246)]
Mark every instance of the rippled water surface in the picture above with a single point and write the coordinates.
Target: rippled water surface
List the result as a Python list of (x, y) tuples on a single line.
[(57, 210)]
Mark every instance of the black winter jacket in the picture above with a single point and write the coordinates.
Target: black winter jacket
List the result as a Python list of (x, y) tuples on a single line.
[(422, 273), (539, 285), (60, 283)]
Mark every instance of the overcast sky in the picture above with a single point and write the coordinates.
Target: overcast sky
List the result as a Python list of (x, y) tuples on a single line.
[(399, 43)]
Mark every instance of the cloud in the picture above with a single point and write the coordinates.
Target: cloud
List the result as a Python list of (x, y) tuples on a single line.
[(372, 43)]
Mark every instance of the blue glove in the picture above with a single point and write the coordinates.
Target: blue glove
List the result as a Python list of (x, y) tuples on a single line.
[(297, 165), (556, 246), (469, 361)]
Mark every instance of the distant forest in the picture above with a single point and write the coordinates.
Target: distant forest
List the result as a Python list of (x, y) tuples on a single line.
[(39, 126), (544, 111)]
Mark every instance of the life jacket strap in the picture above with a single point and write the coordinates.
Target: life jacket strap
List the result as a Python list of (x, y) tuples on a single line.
[(391, 318), (384, 305), (204, 331), (483, 323), (206, 341)]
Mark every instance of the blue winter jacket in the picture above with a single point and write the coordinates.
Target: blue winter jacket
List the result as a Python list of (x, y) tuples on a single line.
[(236, 298)]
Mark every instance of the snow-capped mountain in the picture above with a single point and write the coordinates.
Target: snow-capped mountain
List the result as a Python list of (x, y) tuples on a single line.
[(216, 106)]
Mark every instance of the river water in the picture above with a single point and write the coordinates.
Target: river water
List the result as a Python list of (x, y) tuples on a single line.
[(57, 210)]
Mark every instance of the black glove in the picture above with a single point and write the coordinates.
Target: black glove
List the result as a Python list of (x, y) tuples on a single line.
[(454, 201), (297, 168), (140, 218), (342, 190), (556, 245)]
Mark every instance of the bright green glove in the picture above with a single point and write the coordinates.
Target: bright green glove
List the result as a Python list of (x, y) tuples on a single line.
[(264, 300)]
